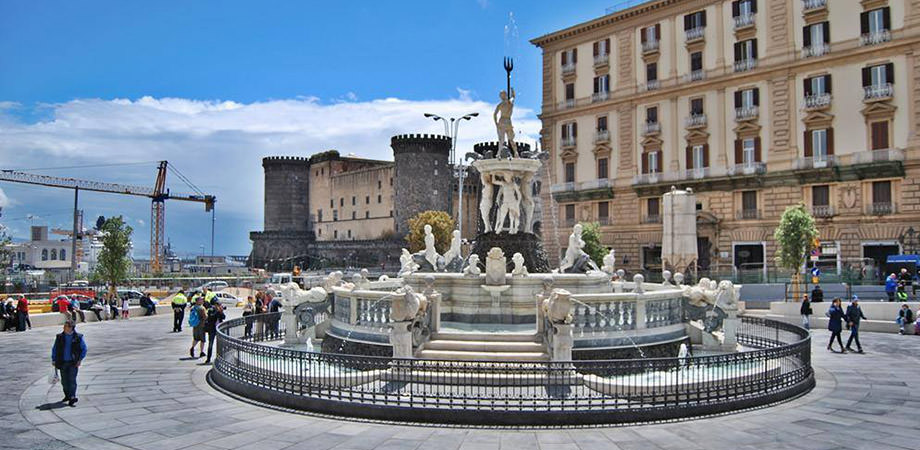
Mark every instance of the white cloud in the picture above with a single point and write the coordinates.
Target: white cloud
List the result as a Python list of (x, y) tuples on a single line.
[(4, 200), (483, 3)]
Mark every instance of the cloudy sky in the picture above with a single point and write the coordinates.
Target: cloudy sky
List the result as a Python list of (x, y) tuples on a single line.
[(102, 90)]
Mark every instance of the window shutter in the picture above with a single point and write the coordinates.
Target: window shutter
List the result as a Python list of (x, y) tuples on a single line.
[(574, 129), (565, 58), (806, 36), (596, 48), (809, 152), (644, 33), (644, 162), (756, 96), (806, 84), (574, 56), (826, 28), (753, 48), (596, 83), (827, 84), (886, 17), (736, 8), (702, 18), (705, 155), (757, 149), (737, 51), (565, 132), (607, 46), (657, 31), (687, 22), (864, 22), (889, 73), (737, 99), (689, 157), (753, 6), (830, 141), (739, 157), (866, 76)]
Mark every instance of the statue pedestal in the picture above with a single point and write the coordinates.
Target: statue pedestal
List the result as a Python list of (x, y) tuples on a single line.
[(291, 337), (563, 341), (730, 329), (401, 339), (527, 244)]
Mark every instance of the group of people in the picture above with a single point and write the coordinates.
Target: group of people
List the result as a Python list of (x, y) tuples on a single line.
[(896, 286), (850, 317), (260, 304), (106, 307), (205, 314), (14, 313)]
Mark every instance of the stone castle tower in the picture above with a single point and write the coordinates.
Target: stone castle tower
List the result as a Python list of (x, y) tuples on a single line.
[(287, 188), (422, 179)]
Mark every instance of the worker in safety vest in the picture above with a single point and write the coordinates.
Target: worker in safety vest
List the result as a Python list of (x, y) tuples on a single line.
[(209, 297), (179, 301)]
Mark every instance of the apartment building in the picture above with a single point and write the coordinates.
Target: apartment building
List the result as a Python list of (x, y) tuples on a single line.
[(755, 105)]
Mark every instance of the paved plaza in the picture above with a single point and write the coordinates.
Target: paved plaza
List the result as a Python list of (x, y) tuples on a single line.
[(139, 390)]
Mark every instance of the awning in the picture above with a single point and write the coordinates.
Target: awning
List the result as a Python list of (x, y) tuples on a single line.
[(904, 259)]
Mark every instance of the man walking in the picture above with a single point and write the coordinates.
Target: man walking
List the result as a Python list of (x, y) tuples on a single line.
[(196, 319), (806, 311), (853, 315), (67, 353), (215, 317), (178, 305)]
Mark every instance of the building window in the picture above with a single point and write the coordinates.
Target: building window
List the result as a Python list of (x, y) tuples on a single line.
[(63, 255), (335, 215), (602, 123), (379, 198), (569, 58), (879, 135), (815, 38), (820, 196), (332, 203), (651, 114), (817, 144), (698, 156), (745, 55), (319, 215), (881, 198), (367, 199), (570, 213), (602, 168), (391, 213), (651, 161), (651, 73), (695, 21), (696, 106), (353, 200), (53, 254), (570, 92), (601, 51), (349, 234), (601, 87), (875, 26), (569, 172), (650, 37), (749, 205), (44, 254), (603, 212), (353, 215), (379, 184), (341, 201), (391, 181), (742, 8), (877, 80), (367, 214), (653, 206), (696, 61), (817, 86), (569, 134), (335, 234), (748, 148)]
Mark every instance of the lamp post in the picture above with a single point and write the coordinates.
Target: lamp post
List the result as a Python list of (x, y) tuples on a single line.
[(451, 127)]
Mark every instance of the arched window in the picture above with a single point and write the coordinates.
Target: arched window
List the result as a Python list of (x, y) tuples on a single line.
[(63, 255), (44, 254), (53, 254)]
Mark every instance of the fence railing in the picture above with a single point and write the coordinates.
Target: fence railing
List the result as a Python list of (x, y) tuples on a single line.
[(520, 392)]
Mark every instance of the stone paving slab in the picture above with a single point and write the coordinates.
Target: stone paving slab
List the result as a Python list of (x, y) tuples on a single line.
[(138, 390)]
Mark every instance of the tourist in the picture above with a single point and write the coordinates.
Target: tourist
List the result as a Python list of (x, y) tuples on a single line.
[(806, 311), (210, 297), (854, 315), (905, 317), (215, 317), (196, 319), (67, 354), (905, 279), (96, 308), (9, 315), (150, 308), (835, 316), (125, 308), (76, 310), (260, 309), (817, 294), (113, 306), (22, 312), (248, 310), (891, 285), (274, 306), (178, 306)]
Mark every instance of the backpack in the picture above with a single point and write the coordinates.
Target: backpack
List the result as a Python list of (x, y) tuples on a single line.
[(194, 318)]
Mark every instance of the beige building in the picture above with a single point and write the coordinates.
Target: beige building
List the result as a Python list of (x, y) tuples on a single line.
[(755, 105)]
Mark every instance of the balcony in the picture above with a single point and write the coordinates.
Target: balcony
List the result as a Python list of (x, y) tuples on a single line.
[(567, 104), (652, 85), (877, 156), (813, 5), (570, 221), (744, 21), (651, 128), (596, 189), (822, 211), (562, 187), (597, 183), (816, 50), (697, 174), (650, 46), (567, 142), (816, 102), (695, 121), (648, 178), (604, 220), (749, 168), (568, 69), (745, 65), (602, 60), (748, 214), (600, 96), (695, 34), (601, 136), (875, 38), (880, 209), (695, 75), (651, 218), (878, 92), (815, 162), (746, 113)]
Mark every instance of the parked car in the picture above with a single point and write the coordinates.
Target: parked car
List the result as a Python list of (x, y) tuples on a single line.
[(213, 286), (133, 296), (227, 299)]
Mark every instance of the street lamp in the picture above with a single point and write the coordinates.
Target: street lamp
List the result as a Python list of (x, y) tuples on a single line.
[(451, 127)]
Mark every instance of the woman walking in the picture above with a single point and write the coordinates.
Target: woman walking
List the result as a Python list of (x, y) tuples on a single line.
[(806, 311), (835, 316)]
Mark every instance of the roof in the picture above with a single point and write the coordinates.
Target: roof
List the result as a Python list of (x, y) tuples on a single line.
[(605, 20)]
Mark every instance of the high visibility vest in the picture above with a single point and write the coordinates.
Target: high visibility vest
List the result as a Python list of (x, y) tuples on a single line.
[(209, 296), (180, 299)]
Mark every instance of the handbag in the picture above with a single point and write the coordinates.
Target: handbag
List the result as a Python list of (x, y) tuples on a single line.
[(54, 376)]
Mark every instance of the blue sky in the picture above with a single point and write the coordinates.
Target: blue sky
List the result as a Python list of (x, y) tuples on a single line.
[(215, 86)]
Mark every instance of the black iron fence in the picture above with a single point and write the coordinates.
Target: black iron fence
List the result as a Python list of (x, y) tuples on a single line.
[(776, 367)]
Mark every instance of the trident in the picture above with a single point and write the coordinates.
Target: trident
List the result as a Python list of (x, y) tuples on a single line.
[(509, 66)]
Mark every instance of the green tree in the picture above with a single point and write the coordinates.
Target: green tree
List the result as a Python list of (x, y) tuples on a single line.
[(591, 234), (442, 225), (113, 264), (795, 237)]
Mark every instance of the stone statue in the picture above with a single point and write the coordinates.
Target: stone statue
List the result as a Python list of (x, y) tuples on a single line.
[(502, 118), (472, 266), (431, 255), (726, 297), (485, 204), (365, 278), (678, 279), (701, 295), (520, 269), (294, 315), (527, 203), (332, 280), (666, 278), (495, 267), (576, 260), (453, 261), (558, 307), (408, 266), (405, 304), (639, 281), (509, 195), (610, 260)]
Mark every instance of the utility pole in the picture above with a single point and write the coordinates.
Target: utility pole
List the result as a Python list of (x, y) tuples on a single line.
[(73, 238)]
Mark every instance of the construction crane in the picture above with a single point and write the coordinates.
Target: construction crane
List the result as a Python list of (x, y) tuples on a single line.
[(158, 195)]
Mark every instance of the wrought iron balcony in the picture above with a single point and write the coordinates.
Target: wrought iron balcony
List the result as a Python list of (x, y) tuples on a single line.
[(648, 178), (816, 50), (695, 75), (695, 121), (697, 173), (813, 5), (695, 34), (651, 128), (745, 65), (748, 214), (880, 208), (567, 142), (604, 220), (651, 218), (878, 92), (750, 168), (652, 85), (562, 187), (600, 96), (815, 162), (875, 38), (746, 112), (744, 20), (874, 156), (822, 211), (815, 102), (601, 136), (597, 183), (567, 104), (568, 68), (650, 46), (602, 59)]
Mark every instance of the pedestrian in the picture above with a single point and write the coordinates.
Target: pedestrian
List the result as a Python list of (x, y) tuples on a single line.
[(215, 317), (210, 297), (63, 306), (817, 294), (10, 315), (274, 306), (891, 284), (806, 311), (148, 305), (196, 319), (905, 279), (854, 315), (96, 308), (22, 313), (248, 310), (113, 306), (905, 317), (179, 302), (75, 307), (835, 317), (125, 308), (260, 319), (67, 354)]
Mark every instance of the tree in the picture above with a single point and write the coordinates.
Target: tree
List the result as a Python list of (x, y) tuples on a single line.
[(442, 225), (795, 237), (6, 249), (113, 264), (591, 234), (100, 221)]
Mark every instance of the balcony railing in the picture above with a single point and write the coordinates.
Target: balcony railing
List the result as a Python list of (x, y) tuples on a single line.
[(570, 222), (816, 50), (651, 128), (648, 178), (568, 68), (651, 218), (697, 173), (745, 65), (744, 21), (746, 113), (562, 187), (817, 101), (875, 38), (880, 208), (815, 162), (811, 5), (598, 183), (600, 96), (604, 220), (822, 211), (695, 34), (652, 85), (695, 75), (568, 142), (601, 136), (750, 168), (567, 104), (878, 92), (602, 59), (695, 121), (650, 46), (748, 214), (873, 156)]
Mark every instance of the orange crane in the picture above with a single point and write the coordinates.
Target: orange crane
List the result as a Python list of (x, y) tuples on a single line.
[(158, 195)]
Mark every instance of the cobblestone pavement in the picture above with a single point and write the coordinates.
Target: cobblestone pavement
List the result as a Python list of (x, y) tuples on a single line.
[(138, 390)]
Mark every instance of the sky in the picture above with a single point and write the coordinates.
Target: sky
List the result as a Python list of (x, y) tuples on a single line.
[(101, 90)]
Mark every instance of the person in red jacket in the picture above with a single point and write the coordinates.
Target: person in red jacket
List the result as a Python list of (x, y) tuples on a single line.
[(22, 311)]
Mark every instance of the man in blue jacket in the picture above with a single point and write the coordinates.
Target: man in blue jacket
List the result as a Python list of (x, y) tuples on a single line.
[(891, 285), (853, 316), (67, 353)]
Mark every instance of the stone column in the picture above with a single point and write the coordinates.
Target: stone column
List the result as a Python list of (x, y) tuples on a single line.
[(401, 339), (640, 318), (563, 341)]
